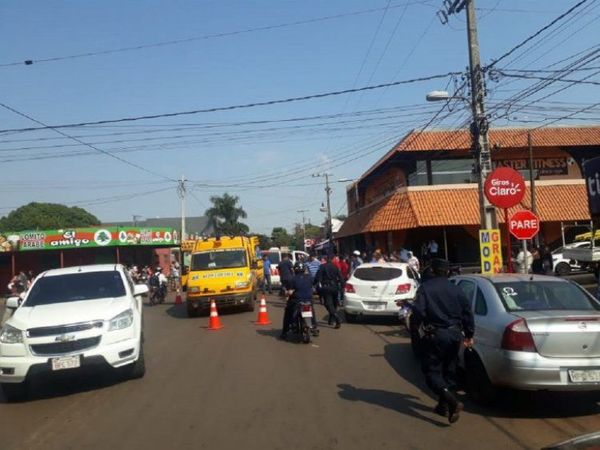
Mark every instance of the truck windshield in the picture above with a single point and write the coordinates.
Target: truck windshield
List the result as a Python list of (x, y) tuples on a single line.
[(74, 287), (219, 259)]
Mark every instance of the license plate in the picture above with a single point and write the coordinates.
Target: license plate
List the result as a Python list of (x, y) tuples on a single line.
[(307, 314), (376, 307), (584, 376), (66, 362)]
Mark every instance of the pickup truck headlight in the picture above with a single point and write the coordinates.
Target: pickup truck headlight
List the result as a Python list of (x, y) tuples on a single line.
[(11, 335), (123, 320), (242, 284)]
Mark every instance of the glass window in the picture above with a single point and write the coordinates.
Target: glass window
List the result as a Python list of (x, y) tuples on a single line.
[(468, 288), (544, 295), (444, 171), (274, 257), (377, 273), (480, 304), (219, 259), (75, 287)]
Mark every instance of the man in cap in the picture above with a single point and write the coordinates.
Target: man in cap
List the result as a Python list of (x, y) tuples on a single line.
[(445, 319), (355, 261)]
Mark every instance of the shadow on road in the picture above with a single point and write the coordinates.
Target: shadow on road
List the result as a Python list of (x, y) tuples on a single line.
[(406, 404), (59, 385), (510, 403)]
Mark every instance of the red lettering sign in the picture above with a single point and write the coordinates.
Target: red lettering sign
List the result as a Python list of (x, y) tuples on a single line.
[(504, 187), (524, 225)]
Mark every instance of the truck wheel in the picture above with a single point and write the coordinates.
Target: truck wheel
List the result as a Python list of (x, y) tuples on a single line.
[(191, 311), (563, 269), (15, 392)]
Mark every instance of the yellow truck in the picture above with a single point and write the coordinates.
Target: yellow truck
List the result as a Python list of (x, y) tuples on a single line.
[(226, 269)]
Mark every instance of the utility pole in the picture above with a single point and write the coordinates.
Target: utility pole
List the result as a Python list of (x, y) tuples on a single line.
[(135, 218), (181, 191), (326, 175), (480, 125), (532, 183), (303, 227)]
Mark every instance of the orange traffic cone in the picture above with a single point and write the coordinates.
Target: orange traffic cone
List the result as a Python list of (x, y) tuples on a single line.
[(178, 300), (214, 323), (263, 316)]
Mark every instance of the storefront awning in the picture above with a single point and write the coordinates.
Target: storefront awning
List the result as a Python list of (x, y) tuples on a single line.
[(458, 205)]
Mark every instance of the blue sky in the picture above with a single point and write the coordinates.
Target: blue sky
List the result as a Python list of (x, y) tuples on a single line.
[(268, 164)]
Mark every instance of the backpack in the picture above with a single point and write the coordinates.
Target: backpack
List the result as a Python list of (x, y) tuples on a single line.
[(154, 281)]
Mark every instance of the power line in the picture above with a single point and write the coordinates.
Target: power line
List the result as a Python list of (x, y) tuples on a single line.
[(204, 37), (104, 152), (536, 34), (239, 106), (533, 77)]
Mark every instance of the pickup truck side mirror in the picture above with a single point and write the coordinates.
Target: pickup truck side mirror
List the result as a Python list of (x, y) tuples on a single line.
[(13, 302)]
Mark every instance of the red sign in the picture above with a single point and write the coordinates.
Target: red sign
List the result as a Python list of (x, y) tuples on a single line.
[(524, 225), (504, 187)]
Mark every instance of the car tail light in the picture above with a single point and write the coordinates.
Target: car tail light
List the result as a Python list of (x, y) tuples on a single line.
[(403, 288), (274, 271), (518, 338), (349, 289)]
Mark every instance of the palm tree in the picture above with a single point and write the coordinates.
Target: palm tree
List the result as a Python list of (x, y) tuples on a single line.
[(225, 214)]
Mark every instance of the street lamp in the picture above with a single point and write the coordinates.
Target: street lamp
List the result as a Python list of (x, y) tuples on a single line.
[(481, 153), (355, 182)]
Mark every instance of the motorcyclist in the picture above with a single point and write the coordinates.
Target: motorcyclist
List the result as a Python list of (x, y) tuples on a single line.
[(159, 281), (300, 290)]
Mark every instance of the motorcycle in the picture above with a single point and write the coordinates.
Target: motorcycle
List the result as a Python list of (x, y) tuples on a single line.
[(302, 325), (157, 294)]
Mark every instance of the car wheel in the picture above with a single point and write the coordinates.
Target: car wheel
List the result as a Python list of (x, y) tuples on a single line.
[(479, 386), (136, 369), (563, 269), (351, 318), (15, 392), (250, 305)]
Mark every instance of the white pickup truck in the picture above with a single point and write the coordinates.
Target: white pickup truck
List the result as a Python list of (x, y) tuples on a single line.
[(88, 316)]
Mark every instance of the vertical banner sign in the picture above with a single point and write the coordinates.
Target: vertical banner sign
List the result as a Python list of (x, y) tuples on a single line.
[(591, 172), (490, 247)]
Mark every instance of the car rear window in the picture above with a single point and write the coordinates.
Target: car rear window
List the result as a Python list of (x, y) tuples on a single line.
[(544, 295), (74, 287), (274, 257), (377, 273)]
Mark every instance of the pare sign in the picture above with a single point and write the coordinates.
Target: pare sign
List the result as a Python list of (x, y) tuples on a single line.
[(504, 187)]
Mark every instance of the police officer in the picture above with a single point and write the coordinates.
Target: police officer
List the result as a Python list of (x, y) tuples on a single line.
[(445, 319), (299, 290), (329, 281), (286, 273)]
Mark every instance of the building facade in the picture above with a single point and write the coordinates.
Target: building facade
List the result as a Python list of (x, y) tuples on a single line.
[(425, 189)]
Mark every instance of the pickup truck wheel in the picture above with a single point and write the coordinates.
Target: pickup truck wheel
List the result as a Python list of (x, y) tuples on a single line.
[(15, 392), (562, 269), (138, 368)]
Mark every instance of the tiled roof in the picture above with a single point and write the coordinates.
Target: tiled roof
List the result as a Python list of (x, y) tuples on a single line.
[(423, 207), (502, 137)]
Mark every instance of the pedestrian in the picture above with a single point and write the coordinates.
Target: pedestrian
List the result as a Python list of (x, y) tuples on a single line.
[(313, 265), (286, 273), (537, 264), (443, 314), (433, 248), (355, 261), (266, 287), (329, 280), (547, 261), (413, 261), (403, 255), (378, 257), (524, 260)]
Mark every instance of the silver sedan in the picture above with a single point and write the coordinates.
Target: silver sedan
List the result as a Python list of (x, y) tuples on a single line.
[(533, 332)]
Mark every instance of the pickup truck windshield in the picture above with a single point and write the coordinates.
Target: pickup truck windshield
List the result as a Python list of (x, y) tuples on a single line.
[(75, 287), (219, 259)]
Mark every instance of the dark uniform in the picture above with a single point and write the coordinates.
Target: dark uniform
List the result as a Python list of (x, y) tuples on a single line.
[(329, 280), (301, 284), (286, 273), (444, 314)]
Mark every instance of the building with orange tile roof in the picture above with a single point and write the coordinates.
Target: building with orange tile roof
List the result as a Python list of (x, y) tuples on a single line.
[(424, 188)]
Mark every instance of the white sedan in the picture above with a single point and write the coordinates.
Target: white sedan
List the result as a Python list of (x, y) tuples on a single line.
[(376, 289)]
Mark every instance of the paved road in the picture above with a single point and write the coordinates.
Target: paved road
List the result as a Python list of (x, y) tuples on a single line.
[(240, 387)]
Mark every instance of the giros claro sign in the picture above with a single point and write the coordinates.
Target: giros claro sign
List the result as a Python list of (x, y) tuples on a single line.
[(504, 187), (591, 172)]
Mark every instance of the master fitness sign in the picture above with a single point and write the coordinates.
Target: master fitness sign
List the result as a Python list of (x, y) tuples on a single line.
[(87, 238)]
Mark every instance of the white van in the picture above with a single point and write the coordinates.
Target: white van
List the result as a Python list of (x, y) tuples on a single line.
[(275, 255)]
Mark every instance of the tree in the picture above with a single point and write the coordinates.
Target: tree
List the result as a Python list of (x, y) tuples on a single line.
[(312, 232), (280, 237), (43, 216), (264, 241), (225, 215)]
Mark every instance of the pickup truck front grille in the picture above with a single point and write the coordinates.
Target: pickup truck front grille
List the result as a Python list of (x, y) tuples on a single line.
[(63, 329), (59, 348)]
